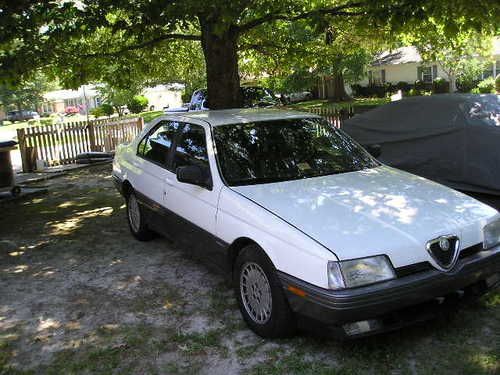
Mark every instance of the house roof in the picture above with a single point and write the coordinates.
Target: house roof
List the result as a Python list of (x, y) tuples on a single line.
[(401, 55), (90, 91), (410, 54)]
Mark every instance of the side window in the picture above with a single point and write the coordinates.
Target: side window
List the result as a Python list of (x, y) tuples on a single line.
[(156, 146), (191, 147)]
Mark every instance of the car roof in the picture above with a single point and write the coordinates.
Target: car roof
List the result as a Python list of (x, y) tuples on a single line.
[(243, 115)]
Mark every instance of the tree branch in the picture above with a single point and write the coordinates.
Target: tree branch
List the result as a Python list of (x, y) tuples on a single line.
[(341, 10), (148, 43)]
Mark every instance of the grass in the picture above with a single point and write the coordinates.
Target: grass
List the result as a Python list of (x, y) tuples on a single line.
[(323, 103)]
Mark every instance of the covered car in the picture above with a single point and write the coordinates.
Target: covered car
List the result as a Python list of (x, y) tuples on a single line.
[(453, 139)]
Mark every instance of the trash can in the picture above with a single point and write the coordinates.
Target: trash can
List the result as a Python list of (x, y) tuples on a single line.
[(7, 180)]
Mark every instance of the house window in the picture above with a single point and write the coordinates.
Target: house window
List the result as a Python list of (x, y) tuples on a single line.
[(425, 74), (377, 77)]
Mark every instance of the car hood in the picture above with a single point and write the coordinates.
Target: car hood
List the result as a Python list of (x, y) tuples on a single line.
[(375, 211)]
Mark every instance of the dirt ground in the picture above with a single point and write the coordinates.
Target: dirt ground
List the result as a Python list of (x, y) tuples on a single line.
[(79, 295)]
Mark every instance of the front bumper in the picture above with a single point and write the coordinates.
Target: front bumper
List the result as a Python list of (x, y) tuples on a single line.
[(411, 298)]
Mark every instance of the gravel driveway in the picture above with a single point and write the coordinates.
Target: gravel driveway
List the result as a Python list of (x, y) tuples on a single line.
[(79, 295)]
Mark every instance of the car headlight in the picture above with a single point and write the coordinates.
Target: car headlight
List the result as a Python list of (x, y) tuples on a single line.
[(357, 272), (491, 234)]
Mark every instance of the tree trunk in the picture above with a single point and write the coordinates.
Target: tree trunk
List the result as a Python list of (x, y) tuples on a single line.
[(221, 58), (338, 89), (453, 83)]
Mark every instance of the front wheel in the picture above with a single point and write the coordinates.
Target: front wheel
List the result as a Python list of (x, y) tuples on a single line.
[(15, 191), (260, 295), (136, 220)]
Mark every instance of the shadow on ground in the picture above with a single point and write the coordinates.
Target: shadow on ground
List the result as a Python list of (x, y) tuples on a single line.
[(79, 294)]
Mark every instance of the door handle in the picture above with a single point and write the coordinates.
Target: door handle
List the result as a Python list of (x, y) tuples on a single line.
[(168, 181)]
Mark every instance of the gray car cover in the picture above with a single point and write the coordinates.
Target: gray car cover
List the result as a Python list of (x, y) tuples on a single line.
[(453, 139)]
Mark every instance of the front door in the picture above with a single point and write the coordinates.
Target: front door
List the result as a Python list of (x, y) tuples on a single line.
[(152, 168), (195, 206)]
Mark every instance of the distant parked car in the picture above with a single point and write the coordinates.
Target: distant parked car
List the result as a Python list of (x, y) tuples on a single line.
[(125, 110), (296, 97), (253, 96), (450, 138), (22, 115)]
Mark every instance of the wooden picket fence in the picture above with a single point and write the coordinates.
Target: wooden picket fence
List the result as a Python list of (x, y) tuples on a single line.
[(333, 115), (60, 143)]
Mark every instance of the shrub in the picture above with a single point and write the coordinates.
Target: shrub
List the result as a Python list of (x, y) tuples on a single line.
[(97, 112), (403, 86), (468, 72), (48, 121), (487, 86), (137, 104), (497, 84), (107, 109), (419, 85), (33, 122), (186, 96), (440, 86), (413, 92)]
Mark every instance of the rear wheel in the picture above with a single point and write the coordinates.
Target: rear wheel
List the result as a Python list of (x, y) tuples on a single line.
[(260, 295), (136, 219)]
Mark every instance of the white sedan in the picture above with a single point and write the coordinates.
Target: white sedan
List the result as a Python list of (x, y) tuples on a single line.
[(305, 223)]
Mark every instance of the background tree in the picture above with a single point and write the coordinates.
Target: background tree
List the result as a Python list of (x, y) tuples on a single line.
[(451, 53), (118, 97), (137, 104), (28, 93), (41, 33), (296, 56)]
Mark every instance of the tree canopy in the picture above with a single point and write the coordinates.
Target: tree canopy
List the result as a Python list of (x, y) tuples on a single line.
[(28, 93), (87, 40)]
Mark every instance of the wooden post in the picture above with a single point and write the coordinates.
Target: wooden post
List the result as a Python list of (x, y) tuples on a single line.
[(140, 124), (90, 127), (31, 153), (21, 138)]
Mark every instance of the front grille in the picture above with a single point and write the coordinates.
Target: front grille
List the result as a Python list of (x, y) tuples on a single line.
[(412, 269), (471, 250), (443, 250), (426, 266)]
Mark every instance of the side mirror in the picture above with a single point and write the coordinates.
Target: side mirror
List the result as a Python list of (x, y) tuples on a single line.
[(374, 150), (195, 175)]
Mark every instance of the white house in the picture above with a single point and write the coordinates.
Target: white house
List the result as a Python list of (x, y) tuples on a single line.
[(405, 65), (88, 96), (164, 95), (84, 97)]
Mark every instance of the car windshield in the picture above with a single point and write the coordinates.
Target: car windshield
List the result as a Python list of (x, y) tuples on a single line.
[(288, 149)]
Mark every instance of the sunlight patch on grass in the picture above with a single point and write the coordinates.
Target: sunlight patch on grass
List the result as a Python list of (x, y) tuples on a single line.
[(488, 362), (49, 323), (16, 253), (70, 225)]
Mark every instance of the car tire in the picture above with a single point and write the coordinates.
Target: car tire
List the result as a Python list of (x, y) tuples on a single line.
[(136, 219), (260, 295)]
